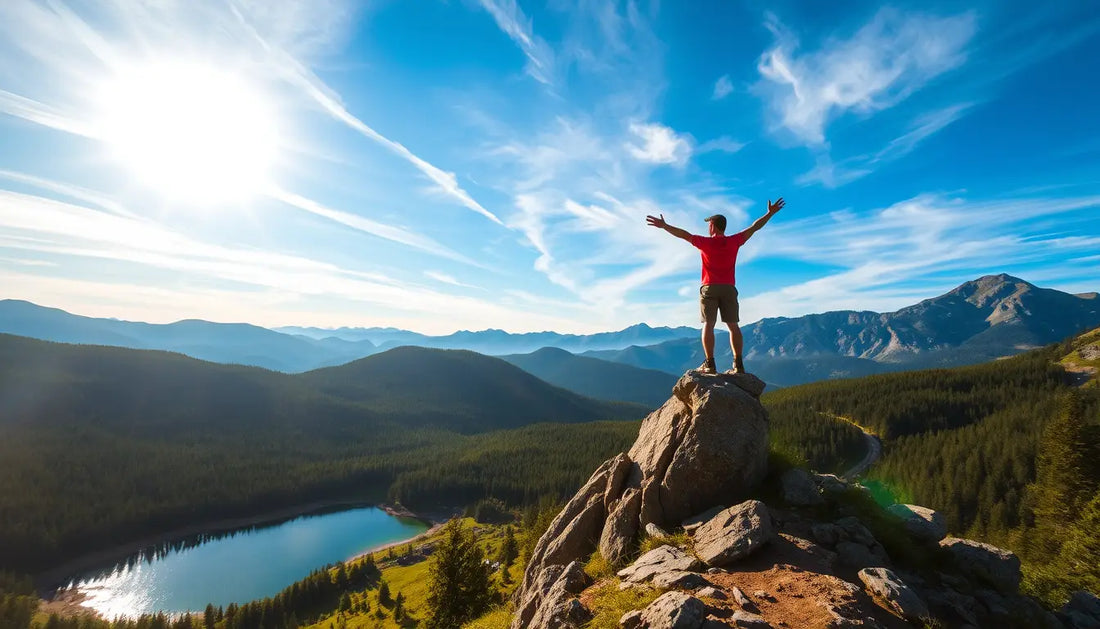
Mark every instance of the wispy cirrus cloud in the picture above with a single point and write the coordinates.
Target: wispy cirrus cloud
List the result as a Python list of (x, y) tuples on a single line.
[(895, 256), (723, 87), (889, 58), (511, 19), (75, 233)]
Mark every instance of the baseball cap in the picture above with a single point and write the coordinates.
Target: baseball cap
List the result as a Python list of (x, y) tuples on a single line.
[(719, 221)]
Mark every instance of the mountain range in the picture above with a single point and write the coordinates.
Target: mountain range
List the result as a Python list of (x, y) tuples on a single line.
[(991, 317)]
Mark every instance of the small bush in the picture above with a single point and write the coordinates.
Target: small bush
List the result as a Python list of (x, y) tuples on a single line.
[(599, 568), (610, 603)]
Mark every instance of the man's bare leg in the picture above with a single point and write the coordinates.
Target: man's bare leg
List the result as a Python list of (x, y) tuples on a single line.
[(737, 344), (708, 341)]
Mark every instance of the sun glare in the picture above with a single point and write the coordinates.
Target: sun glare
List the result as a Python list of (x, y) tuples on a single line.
[(191, 132)]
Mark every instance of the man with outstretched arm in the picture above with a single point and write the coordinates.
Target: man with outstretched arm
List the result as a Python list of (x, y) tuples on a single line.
[(718, 292)]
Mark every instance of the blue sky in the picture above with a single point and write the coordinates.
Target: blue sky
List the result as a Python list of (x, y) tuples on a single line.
[(439, 165)]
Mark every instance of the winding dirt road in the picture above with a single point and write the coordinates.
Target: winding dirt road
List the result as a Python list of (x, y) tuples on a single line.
[(874, 450)]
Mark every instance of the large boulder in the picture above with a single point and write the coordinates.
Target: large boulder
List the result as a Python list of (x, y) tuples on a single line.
[(922, 523), (734, 533), (799, 488), (998, 567), (658, 561), (621, 527), (1082, 611), (559, 608), (707, 445), (674, 610), (883, 583)]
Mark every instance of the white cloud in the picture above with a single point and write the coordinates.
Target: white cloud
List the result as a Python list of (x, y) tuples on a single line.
[(913, 244), (659, 144), (448, 279), (724, 144), (884, 62), (510, 19), (723, 87), (833, 175)]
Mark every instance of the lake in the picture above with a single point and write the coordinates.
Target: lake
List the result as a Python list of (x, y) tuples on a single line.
[(240, 566)]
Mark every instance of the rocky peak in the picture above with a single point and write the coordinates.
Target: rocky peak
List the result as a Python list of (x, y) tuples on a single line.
[(807, 560)]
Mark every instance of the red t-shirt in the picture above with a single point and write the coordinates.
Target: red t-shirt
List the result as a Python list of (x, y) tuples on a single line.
[(719, 255)]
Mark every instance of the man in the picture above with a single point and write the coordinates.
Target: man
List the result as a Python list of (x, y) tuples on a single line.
[(718, 292)]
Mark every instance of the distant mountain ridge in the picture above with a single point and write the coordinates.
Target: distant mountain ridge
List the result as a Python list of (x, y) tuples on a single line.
[(991, 317), (498, 342)]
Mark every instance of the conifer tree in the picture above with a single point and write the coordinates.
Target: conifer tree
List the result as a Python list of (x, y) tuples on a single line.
[(384, 593), (459, 587)]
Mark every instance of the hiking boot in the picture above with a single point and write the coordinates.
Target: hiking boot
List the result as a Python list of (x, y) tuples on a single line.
[(707, 366), (738, 367)]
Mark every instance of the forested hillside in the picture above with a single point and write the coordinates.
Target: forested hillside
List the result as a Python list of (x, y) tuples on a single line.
[(104, 445), (1007, 451)]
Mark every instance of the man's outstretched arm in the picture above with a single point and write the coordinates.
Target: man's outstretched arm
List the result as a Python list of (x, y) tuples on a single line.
[(659, 221), (763, 220)]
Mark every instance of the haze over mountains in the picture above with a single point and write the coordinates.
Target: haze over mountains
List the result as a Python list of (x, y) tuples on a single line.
[(993, 316)]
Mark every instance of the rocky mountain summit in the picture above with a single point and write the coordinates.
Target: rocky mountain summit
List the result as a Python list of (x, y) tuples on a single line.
[(732, 542)]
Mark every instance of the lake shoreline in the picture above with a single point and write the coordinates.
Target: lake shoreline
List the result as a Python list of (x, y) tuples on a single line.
[(49, 582)]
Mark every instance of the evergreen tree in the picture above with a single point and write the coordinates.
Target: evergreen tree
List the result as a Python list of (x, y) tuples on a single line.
[(1062, 483), (508, 549), (459, 587), (384, 597)]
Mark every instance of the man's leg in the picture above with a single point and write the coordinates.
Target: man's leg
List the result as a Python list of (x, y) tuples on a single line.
[(708, 340), (737, 343)]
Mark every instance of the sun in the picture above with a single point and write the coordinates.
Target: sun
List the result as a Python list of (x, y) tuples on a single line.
[(190, 131)]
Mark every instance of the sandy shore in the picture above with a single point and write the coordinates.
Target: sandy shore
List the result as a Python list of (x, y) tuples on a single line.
[(49, 580)]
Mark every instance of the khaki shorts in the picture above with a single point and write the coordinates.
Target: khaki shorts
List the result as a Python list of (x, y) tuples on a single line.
[(715, 297)]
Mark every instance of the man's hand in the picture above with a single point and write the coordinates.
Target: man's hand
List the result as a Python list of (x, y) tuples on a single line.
[(775, 207), (659, 222), (763, 220)]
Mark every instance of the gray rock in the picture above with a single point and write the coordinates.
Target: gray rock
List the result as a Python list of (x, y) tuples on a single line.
[(706, 444), (700, 519), (631, 619), (659, 560), (998, 567), (857, 555), (734, 533), (559, 608), (948, 602), (742, 601), (571, 536), (621, 527), (749, 620), (922, 523), (653, 530), (1082, 610), (799, 489), (993, 602), (711, 592), (890, 588), (852, 530), (533, 594), (679, 579), (674, 610), (826, 533), (830, 483), (621, 468)]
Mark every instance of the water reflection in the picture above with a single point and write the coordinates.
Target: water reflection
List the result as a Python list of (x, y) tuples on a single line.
[(238, 567)]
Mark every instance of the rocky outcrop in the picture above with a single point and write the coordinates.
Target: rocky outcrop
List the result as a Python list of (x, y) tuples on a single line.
[(706, 446), (658, 561), (883, 583), (734, 533), (1082, 611), (559, 607), (922, 523), (799, 488), (674, 610), (998, 567)]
